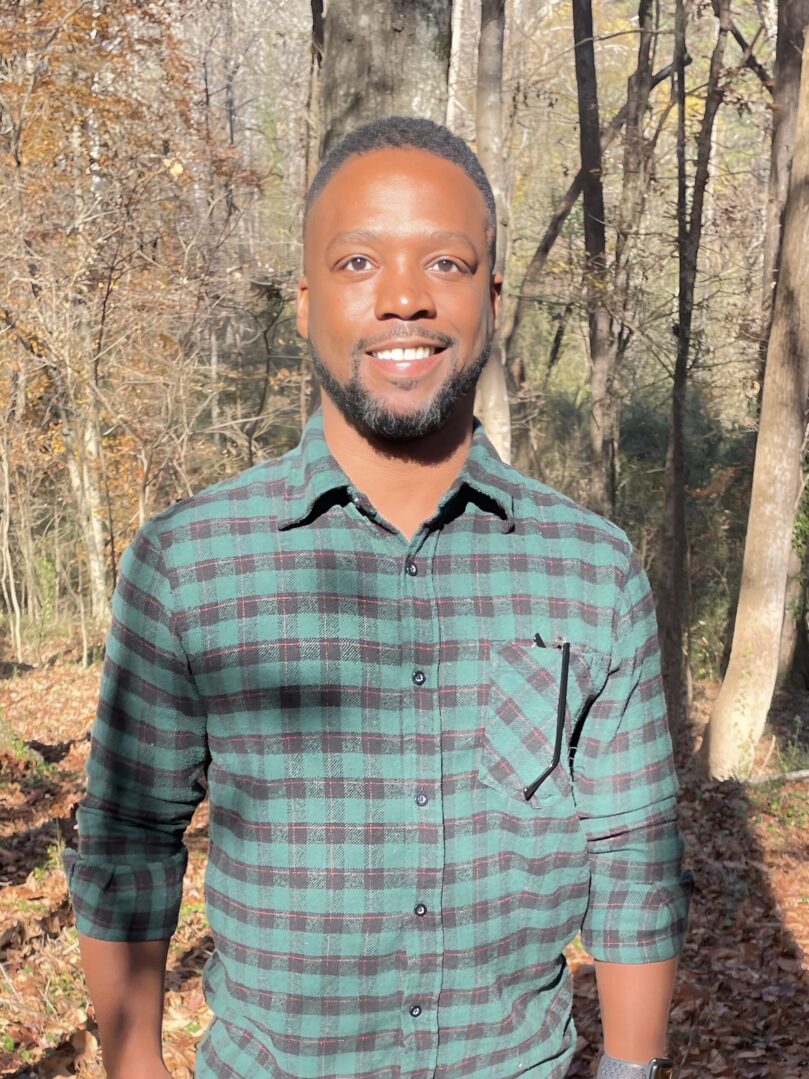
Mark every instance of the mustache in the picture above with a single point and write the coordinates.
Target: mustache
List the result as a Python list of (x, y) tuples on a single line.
[(402, 332)]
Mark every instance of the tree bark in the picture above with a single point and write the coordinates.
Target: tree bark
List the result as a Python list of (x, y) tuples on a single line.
[(793, 17), (383, 57), (81, 457), (492, 405), (454, 114), (602, 489), (741, 709), (673, 590), (8, 584), (792, 653)]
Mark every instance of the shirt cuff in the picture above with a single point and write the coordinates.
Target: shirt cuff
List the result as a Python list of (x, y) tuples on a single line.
[(125, 902), (636, 922)]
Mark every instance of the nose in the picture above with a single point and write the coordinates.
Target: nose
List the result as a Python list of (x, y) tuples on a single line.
[(404, 293)]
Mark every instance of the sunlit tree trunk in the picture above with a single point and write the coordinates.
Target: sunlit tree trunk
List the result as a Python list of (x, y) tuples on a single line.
[(8, 583), (793, 17), (741, 709), (81, 457), (454, 110), (492, 404), (383, 57)]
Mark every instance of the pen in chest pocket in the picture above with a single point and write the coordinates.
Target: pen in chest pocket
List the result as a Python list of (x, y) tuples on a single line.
[(561, 706)]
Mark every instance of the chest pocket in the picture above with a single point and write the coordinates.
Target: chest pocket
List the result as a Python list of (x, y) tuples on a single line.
[(531, 690)]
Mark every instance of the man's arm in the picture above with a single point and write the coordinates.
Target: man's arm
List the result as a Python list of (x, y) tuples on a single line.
[(125, 979), (147, 760), (625, 789), (635, 1000)]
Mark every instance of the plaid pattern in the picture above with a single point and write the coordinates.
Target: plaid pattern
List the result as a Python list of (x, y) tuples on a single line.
[(367, 710)]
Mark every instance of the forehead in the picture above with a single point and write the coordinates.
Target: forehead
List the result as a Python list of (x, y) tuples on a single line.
[(397, 190)]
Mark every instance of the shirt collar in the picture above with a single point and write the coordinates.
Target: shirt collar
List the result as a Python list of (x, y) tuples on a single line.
[(484, 480), (316, 481), (313, 476)]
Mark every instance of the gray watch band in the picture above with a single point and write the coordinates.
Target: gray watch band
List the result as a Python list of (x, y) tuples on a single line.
[(613, 1068)]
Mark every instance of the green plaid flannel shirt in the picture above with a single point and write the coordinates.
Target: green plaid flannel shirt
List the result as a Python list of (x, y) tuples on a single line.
[(365, 712)]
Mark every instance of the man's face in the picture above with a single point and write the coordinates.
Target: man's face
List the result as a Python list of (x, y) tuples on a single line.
[(398, 302)]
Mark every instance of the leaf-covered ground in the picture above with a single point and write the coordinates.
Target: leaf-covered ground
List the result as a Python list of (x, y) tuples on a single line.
[(741, 1006)]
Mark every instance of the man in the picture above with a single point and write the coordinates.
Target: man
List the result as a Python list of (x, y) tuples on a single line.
[(423, 688)]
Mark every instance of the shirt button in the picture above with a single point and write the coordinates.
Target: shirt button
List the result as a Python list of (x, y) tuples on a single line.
[(419, 678), (415, 1011), (420, 910), (411, 568), (421, 799)]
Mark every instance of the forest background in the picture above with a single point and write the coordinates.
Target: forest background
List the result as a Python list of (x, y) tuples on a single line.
[(651, 165)]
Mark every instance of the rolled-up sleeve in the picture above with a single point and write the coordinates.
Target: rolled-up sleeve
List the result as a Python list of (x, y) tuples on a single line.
[(145, 773), (625, 789)]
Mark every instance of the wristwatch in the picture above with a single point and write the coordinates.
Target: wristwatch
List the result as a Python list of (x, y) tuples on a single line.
[(613, 1068)]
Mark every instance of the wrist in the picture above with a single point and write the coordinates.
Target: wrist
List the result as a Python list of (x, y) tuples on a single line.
[(614, 1068)]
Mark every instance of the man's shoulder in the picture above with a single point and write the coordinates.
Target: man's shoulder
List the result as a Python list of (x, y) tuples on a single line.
[(546, 512), (225, 506)]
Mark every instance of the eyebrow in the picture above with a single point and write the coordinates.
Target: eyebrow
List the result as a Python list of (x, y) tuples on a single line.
[(372, 235)]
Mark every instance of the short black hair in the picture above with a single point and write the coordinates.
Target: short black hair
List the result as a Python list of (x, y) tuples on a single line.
[(393, 132)]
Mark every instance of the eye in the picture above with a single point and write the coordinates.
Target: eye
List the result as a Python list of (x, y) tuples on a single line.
[(357, 264), (447, 265)]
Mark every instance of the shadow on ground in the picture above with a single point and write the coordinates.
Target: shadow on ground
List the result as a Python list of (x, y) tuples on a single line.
[(741, 1004)]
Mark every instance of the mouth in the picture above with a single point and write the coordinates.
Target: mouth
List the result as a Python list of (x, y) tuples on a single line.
[(407, 360)]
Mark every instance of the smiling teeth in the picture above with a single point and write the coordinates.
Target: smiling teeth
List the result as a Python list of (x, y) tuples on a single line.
[(422, 353)]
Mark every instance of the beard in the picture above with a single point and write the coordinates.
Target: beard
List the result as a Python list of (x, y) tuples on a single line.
[(366, 412)]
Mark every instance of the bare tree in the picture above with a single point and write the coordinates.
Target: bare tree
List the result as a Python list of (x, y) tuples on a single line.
[(673, 588), (793, 17), (741, 709), (492, 401), (602, 475)]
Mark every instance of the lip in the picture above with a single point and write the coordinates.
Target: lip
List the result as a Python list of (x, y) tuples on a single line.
[(383, 344)]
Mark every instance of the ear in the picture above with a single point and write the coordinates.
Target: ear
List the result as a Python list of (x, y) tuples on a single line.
[(302, 307), (495, 295)]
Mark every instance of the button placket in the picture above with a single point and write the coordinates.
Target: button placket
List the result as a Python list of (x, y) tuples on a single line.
[(422, 981)]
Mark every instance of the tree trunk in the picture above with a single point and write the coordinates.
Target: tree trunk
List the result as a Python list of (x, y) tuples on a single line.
[(741, 709), (673, 591), (793, 17), (792, 653), (383, 57), (81, 455), (454, 115), (8, 584), (635, 178), (602, 491), (313, 101), (492, 404)]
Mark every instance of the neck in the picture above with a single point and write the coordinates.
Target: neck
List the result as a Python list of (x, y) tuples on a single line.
[(405, 481)]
